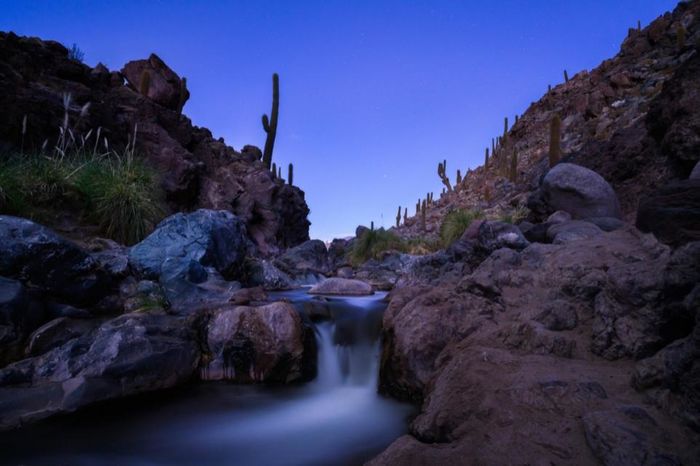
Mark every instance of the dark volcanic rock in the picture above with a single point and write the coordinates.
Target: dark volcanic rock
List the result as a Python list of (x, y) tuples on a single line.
[(308, 258), (342, 286), (495, 235), (197, 171), (35, 254), (672, 212)]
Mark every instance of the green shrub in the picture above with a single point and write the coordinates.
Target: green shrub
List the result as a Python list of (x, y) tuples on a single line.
[(455, 223), (372, 243), (422, 246), (121, 196), (514, 216)]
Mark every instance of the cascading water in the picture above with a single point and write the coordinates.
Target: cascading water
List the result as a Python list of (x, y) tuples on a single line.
[(337, 418)]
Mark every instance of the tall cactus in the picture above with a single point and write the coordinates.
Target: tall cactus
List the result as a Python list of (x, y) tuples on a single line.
[(441, 170), (459, 177), (566, 76), (422, 215), (145, 83), (290, 174), (418, 207), (554, 141), (514, 167), (486, 157), (270, 125), (405, 215), (398, 217)]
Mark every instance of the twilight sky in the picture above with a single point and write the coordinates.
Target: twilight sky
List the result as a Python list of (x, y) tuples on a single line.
[(373, 93)]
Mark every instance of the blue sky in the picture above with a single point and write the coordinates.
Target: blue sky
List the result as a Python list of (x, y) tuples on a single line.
[(373, 93)]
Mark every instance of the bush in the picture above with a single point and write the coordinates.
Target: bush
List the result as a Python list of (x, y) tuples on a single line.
[(116, 192), (121, 196), (372, 243), (514, 216), (422, 246), (455, 223)]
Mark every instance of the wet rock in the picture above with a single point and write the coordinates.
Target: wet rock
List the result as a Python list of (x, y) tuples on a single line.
[(496, 235), (255, 344), (577, 190), (672, 212), (131, 354), (308, 258), (342, 286), (57, 332)]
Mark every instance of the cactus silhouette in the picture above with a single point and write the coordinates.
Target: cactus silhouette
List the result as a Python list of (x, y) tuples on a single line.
[(270, 125), (290, 174), (441, 170)]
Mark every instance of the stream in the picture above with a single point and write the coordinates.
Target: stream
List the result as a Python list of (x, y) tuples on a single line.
[(336, 419)]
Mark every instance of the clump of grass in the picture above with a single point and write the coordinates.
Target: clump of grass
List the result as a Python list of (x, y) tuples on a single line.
[(115, 190), (371, 243), (422, 246), (455, 223), (514, 216)]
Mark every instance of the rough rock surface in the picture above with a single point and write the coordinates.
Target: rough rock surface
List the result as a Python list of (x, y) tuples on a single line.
[(191, 255), (133, 353), (198, 171), (256, 344), (478, 351), (672, 212), (342, 286)]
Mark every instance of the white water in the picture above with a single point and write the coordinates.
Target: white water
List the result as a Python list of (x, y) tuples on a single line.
[(337, 418)]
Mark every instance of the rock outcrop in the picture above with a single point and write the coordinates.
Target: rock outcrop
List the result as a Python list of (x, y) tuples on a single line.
[(197, 170), (342, 286)]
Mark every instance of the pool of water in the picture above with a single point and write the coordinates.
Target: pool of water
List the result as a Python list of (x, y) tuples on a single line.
[(336, 419)]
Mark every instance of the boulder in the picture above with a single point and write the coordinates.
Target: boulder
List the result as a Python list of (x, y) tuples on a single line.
[(495, 235), (577, 190), (256, 344), (572, 230), (672, 212), (606, 223), (192, 255), (310, 257), (58, 331), (20, 313), (134, 353), (164, 86), (342, 286), (384, 272), (35, 254), (263, 273)]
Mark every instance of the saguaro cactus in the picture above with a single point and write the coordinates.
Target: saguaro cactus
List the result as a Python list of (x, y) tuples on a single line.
[(398, 217), (405, 215), (459, 177), (554, 141), (422, 215), (145, 83), (486, 157), (274, 171), (418, 207), (566, 76), (270, 125), (441, 170), (290, 174)]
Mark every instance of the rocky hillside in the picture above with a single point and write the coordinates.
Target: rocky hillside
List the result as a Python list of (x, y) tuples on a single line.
[(197, 171), (633, 119)]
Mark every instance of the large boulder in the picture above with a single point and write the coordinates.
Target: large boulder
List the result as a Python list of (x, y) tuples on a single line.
[(342, 286), (577, 190), (672, 212), (192, 255), (383, 273), (308, 258), (131, 354), (34, 254), (165, 87), (256, 344)]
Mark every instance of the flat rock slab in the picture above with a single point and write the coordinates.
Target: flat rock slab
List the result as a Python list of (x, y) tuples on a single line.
[(342, 286)]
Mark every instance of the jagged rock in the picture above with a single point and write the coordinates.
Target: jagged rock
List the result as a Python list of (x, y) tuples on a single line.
[(196, 170), (577, 190), (35, 254), (338, 253), (133, 353), (256, 344), (164, 84), (495, 235), (191, 255), (672, 212), (264, 273), (342, 286), (308, 258), (384, 272)]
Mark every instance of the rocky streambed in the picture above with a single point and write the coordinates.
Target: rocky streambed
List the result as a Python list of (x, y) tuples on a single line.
[(337, 418)]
